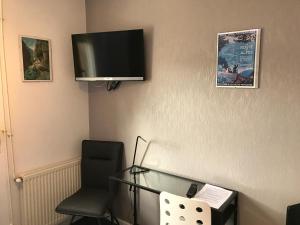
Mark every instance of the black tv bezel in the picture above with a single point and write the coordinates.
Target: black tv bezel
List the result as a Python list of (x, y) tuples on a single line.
[(109, 78)]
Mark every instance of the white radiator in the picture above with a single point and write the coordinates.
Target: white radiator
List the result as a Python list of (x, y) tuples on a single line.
[(42, 190)]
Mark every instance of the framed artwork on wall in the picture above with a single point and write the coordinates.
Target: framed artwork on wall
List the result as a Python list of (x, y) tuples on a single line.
[(238, 59), (35, 59)]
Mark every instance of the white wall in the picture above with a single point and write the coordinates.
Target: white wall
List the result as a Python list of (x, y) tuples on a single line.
[(246, 140), (49, 119)]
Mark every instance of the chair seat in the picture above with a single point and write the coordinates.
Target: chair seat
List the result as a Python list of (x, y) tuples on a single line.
[(85, 202)]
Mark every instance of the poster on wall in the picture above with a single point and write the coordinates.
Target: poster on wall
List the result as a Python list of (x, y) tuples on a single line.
[(238, 59), (36, 59)]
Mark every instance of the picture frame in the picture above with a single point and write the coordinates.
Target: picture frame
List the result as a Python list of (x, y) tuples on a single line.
[(36, 59), (238, 59)]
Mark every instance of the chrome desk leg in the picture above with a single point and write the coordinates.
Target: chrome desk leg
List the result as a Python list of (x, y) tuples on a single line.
[(135, 206)]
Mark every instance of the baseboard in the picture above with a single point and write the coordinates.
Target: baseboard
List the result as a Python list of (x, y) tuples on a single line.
[(122, 222)]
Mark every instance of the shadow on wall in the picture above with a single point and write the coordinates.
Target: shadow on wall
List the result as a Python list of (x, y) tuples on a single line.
[(251, 210), (82, 86), (149, 202), (149, 40), (121, 103), (155, 149)]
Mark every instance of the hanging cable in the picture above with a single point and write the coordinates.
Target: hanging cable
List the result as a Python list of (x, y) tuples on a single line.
[(112, 85)]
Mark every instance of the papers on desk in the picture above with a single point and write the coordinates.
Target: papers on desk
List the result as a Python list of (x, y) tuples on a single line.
[(214, 196)]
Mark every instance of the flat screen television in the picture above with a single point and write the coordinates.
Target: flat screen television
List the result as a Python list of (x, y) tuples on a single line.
[(109, 56)]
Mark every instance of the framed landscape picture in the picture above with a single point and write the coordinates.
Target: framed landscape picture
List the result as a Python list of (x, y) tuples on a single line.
[(238, 59), (36, 59)]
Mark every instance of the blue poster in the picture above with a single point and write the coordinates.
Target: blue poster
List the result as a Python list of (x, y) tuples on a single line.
[(237, 59)]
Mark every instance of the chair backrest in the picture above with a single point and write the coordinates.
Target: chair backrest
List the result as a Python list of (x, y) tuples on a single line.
[(176, 210), (100, 159), (293, 215)]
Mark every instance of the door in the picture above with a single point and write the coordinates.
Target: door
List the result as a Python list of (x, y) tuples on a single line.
[(5, 208)]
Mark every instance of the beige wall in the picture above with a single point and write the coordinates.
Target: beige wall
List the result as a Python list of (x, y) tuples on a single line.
[(49, 119), (246, 140)]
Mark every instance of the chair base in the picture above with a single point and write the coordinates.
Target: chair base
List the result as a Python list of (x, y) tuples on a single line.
[(93, 221)]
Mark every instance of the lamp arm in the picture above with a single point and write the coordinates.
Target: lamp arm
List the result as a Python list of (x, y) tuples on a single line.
[(136, 144)]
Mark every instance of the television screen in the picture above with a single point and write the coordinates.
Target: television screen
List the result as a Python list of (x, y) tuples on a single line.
[(116, 55)]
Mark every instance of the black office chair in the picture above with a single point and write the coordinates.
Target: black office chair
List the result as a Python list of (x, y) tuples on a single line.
[(100, 159), (293, 215)]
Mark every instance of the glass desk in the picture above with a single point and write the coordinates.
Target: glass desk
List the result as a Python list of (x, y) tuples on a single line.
[(156, 181)]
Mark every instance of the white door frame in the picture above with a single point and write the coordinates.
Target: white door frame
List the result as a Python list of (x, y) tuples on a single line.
[(5, 206), (5, 134)]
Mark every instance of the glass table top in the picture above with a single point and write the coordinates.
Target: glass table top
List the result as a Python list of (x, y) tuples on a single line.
[(157, 181)]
